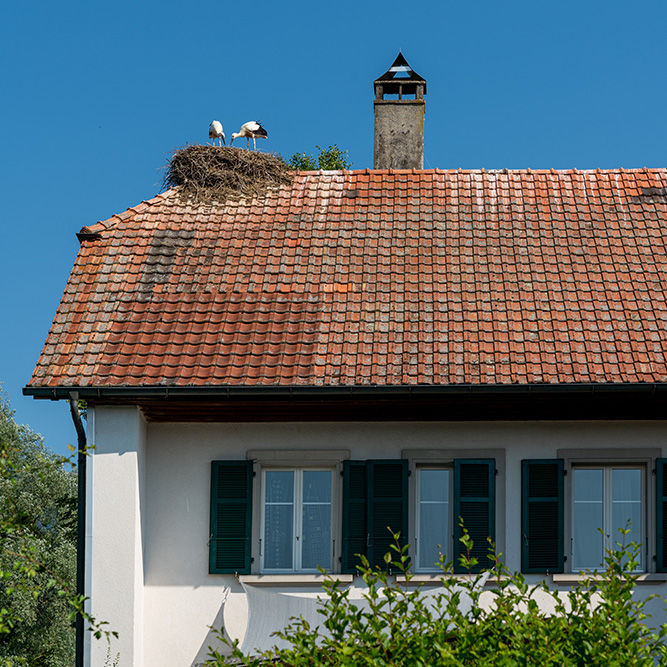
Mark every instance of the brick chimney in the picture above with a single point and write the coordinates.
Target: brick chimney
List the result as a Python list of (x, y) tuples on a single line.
[(399, 118)]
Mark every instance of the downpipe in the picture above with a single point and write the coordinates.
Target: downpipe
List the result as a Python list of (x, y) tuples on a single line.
[(81, 520)]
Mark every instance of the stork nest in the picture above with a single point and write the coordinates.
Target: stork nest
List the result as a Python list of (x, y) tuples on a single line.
[(208, 173)]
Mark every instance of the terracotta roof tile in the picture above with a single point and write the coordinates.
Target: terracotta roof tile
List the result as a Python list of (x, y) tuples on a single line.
[(375, 278)]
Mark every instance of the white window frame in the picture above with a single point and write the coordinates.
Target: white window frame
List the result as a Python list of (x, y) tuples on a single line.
[(297, 519), (611, 540), (644, 458), (286, 459)]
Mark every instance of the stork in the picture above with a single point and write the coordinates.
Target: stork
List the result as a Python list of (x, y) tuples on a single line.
[(215, 132), (250, 130)]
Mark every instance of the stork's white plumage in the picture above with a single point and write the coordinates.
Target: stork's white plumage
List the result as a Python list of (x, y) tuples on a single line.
[(215, 132), (250, 130)]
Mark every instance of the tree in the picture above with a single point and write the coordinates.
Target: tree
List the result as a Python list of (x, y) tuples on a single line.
[(37, 549), (332, 158)]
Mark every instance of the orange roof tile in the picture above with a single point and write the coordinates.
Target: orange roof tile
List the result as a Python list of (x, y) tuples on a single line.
[(375, 278)]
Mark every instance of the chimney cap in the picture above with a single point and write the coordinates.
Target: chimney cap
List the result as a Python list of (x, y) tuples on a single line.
[(400, 74)]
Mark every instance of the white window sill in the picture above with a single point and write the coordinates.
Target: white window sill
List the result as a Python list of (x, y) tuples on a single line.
[(648, 579), (293, 579), (436, 578)]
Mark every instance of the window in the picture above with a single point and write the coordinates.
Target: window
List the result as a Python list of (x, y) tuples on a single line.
[(297, 528), (572, 509), (604, 500), (434, 517), (277, 512), (465, 491)]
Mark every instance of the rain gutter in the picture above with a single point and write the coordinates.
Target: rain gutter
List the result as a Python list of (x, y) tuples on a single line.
[(342, 392)]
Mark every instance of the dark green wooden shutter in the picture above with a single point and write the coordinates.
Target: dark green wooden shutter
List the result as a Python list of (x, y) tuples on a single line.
[(661, 514), (231, 517), (475, 504), (542, 509), (355, 530), (375, 500), (387, 482)]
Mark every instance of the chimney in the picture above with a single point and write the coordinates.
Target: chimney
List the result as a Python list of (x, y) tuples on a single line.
[(399, 118)]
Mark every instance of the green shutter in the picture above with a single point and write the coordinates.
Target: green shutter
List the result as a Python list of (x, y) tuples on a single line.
[(355, 530), (375, 500), (387, 482), (231, 517), (475, 504), (661, 514), (542, 505)]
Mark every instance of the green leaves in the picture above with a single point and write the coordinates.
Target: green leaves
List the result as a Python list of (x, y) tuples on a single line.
[(37, 548), (302, 162), (38, 530), (599, 623), (328, 159)]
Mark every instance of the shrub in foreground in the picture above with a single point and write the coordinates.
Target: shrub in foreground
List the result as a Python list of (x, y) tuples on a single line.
[(598, 623)]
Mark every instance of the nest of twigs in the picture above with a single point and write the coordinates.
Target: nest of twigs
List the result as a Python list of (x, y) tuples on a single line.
[(208, 173)]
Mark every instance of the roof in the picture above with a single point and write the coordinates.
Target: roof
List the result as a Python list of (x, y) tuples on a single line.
[(374, 278)]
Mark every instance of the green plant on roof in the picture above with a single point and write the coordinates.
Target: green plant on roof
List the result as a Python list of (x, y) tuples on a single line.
[(329, 159)]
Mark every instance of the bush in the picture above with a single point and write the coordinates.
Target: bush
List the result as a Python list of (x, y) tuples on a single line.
[(598, 623), (329, 159)]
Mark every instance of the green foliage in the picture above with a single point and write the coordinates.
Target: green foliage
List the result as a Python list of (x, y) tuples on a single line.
[(598, 623), (302, 162), (332, 158), (38, 549), (38, 532)]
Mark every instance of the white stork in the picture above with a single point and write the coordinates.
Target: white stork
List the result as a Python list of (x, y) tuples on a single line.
[(215, 132), (250, 130)]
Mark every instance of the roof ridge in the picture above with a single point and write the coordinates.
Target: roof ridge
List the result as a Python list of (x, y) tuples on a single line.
[(484, 170), (353, 174)]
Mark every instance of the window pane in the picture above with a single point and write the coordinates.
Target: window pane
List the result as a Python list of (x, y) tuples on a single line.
[(316, 520), (433, 517), (278, 537), (279, 486), (278, 519), (434, 485), (627, 484), (622, 513), (433, 531), (626, 506), (316, 536), (588, 542), (317, 486), (588, 485)]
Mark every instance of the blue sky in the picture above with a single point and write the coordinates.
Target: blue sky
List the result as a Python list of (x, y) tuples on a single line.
[(97, 95)]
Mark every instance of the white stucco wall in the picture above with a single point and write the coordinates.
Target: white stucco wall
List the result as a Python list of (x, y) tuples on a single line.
[(115, 540), (150, 490)]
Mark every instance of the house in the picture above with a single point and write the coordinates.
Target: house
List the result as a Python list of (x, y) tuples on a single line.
[(274, 380)]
